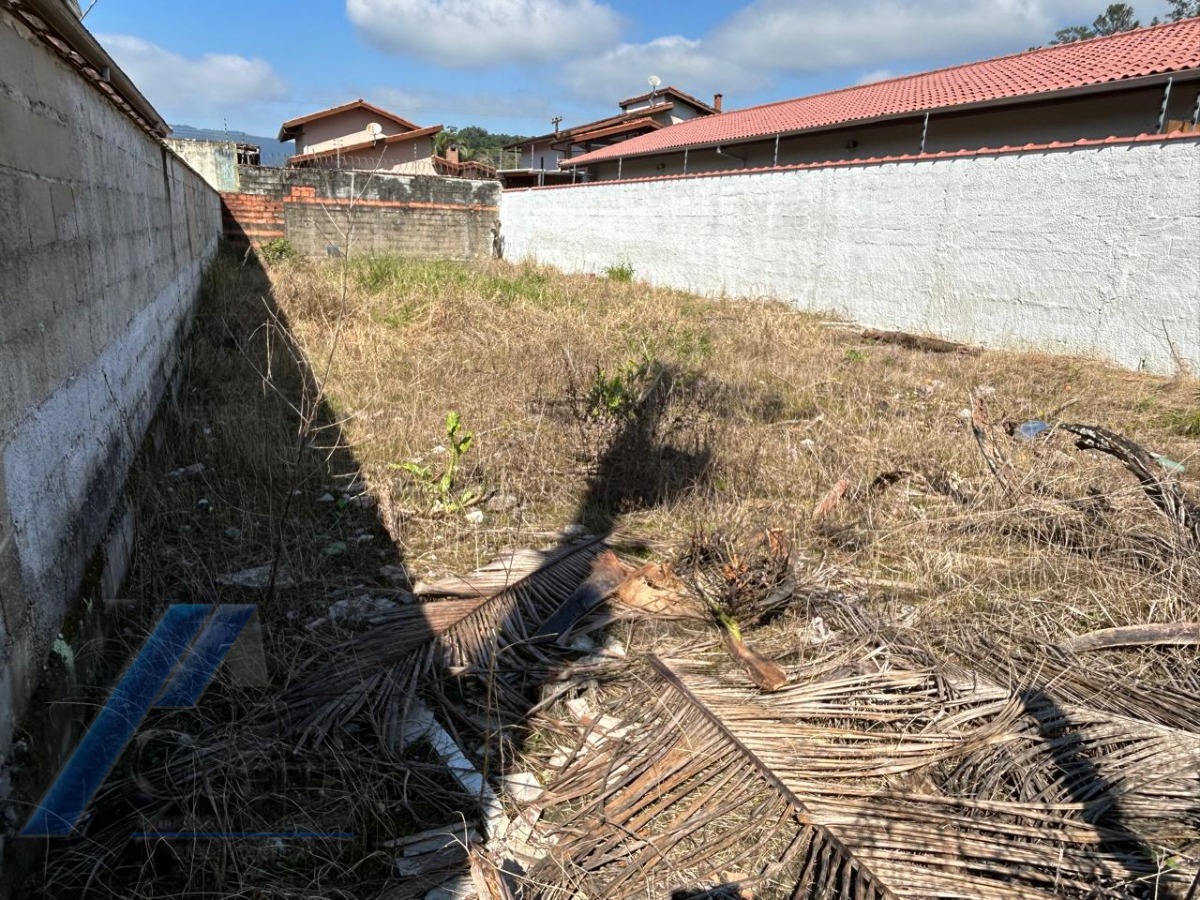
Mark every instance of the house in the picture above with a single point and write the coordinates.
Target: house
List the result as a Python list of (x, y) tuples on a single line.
[(360, 135), (540, 157), (1136, 82), (452, 166)]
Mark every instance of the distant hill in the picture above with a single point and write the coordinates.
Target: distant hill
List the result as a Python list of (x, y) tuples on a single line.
[(274, 153)]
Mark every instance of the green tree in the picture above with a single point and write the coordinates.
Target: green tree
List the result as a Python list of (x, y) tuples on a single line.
[(1116, 18), (473, 141), (1183, 9), (1072, 34)]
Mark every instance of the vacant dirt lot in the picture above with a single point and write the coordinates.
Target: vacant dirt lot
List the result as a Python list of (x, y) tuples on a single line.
[(868, 517)]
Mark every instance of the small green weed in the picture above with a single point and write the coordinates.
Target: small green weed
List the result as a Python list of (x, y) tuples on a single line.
[(615, 396), (276, 250), (622, 272), (1184, 422), (442, 486), (856, 356)]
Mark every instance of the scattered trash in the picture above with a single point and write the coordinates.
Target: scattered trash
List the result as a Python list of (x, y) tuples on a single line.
[(1027, 431), (474, 517), (336, 548), (1175, 468), (257, 577), (233, 533), (203, 504), (326, 498), (819, 632), (433, 839)]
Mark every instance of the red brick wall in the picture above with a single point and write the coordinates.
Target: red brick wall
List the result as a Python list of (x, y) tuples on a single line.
[(420, 216), (251, 218)]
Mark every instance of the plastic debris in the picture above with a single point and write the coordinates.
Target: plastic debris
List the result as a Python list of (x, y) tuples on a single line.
[(1170, 465), (1027, 431)]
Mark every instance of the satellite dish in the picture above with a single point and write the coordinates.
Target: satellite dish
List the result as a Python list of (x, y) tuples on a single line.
[(654, 81), (374, 129)]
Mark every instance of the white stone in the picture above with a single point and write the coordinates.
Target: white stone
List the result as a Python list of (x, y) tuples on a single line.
[(522, 787)]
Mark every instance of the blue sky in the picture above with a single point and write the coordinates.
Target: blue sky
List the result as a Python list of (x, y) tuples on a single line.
[(510, 65)]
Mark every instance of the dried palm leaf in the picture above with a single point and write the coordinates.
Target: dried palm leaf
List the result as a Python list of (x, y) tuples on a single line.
[(811, 791)]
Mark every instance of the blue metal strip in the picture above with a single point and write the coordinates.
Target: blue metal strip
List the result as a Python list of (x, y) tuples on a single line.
[(199, 666), (198, 835), (116, 722)]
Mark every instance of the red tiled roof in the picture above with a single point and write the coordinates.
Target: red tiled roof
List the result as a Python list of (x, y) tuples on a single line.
[(287, 131), (669, 91), (564, 135), (640, 124), (1133, 54), (1005, 150), (367, 144)]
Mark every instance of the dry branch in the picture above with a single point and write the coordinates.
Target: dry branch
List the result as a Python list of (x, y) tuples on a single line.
[(1163, 492), (920, 342), (1167, 634)]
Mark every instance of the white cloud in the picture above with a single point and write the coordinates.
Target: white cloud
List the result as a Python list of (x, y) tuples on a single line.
[(197, 87), (687, 64), (875, 75), (461, 109), (810, 37), (481, 33)]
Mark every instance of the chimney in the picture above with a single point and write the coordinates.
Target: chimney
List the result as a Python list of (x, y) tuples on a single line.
[(452, 153), (717, 101)]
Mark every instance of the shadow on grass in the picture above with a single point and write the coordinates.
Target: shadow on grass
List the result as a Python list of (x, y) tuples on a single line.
[(246, 492)]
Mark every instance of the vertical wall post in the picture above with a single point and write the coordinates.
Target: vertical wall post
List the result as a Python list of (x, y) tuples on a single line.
[(1162, 112), (685, 149), (775, 159)]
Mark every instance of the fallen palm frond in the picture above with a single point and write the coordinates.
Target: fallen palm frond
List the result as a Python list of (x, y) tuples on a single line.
[(381, 671), (487, 580), (903, 783), (1163, 492)]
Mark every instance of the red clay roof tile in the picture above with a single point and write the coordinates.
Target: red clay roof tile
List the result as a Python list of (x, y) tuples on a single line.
[(1148, 51)]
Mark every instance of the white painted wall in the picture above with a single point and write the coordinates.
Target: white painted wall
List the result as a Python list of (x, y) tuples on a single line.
[(1092, 251)]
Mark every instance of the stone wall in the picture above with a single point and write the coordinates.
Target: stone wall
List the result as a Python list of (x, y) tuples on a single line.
[(104, 235), (1090, 249), (323, 211)]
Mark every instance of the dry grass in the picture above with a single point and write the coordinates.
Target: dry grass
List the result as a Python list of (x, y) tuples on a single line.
[(603, 403), (768, 408)]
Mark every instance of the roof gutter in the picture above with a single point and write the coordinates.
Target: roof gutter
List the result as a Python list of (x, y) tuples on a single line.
[(1065, 94), (67, 28)]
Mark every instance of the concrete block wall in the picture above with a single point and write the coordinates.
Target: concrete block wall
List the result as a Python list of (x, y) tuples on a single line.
[(214, 161), (104, 235), (371, 213), (1089, 250)]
